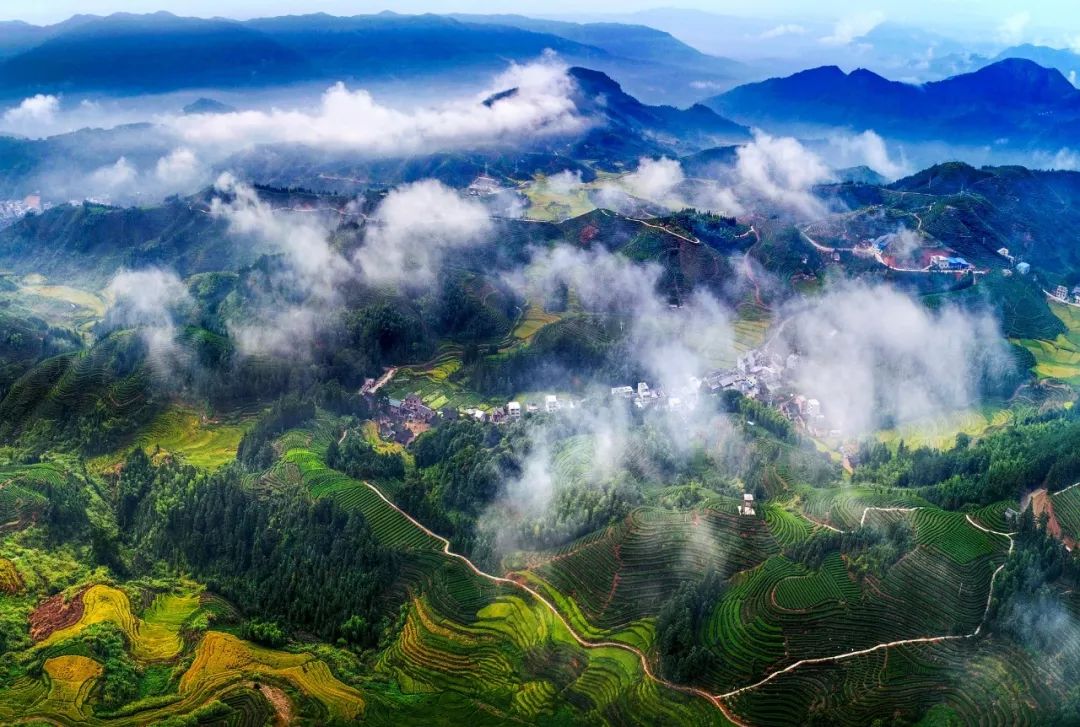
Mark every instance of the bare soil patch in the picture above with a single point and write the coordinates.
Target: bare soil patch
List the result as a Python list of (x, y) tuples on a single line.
[(54, 614)]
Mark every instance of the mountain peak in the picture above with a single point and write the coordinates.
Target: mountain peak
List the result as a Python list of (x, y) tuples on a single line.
[(592, 81), (1012, 80)]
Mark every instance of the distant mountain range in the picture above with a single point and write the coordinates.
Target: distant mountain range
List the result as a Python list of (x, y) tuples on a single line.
[(621, 130), (1013, 102), (132, 54)]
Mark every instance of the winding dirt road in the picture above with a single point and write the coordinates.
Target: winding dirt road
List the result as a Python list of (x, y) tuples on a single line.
[(714, 699), (889, 644), (717, 700)]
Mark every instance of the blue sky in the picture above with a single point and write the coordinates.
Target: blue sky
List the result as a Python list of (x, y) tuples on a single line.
[(1032, 17)]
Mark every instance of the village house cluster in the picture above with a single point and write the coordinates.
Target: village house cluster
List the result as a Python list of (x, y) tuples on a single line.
[(950, 263), (645, 397), (514, 410), (771, 378), (403, 420), (1062, 293), (13, 210)]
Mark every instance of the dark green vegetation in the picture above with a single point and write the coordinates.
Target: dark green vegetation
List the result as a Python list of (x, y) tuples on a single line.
[(1039, 450), (140, 583), (310, 565), (976, 212)]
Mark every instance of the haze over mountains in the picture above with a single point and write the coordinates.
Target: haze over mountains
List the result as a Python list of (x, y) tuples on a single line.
[(130, 54), (1009, 102), (642, 91)]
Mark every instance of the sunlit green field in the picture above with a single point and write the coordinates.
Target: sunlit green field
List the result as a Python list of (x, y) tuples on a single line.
[(940, 432), (1060, 358), (202, 441)]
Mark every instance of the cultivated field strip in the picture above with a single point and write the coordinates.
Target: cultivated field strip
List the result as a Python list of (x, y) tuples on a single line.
[(752, 594)]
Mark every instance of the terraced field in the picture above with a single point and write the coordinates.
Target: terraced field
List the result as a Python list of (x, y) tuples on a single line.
[(61, 305), (779, 613), (1060, 358), (843, 507), (993, 516), (220, 658), (750, 328), (534, 319), (103, 376), (1067, 510), (953, 535), (786, 526), (528, 666), (155, 637), (200, 441), (831, 584), (10, 580), (978, 682), (70, 678), (204, 443), (370, 431), (20, 491), (433, 386), (940, 432), (222, 667), (626, 573), (390, 526)]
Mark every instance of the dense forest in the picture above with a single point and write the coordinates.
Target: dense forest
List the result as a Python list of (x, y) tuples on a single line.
[(1040, 450)]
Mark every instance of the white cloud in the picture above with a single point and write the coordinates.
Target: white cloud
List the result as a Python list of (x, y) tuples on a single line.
[(564, 182), (179, 169), (317, 268), (666, 345), (406, 240), (867, 149), (149, 300), (672, 344), (540, 104), (782, 171), (655, 179), (874, 356), (144, 297), (414, 228), (1065, 159), (292, 302), (39, 109), (113, 178), (852, 27), (1011, 30), (784, 29)]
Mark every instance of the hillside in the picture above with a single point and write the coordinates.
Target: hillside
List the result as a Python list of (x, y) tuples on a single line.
[(89, 242)]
